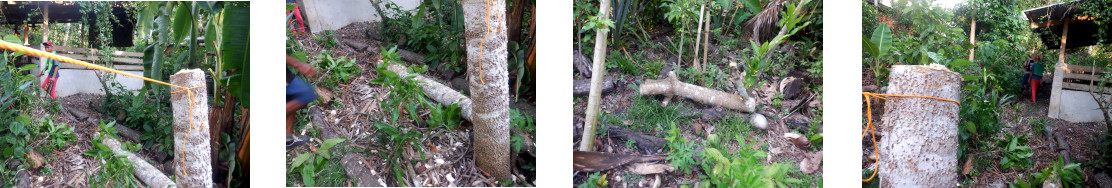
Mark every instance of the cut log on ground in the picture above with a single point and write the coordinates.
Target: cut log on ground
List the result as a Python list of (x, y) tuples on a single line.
[(589, 161), (356, 167), (143, 170), (436, 91), (191, 129), (582, 63), (407, 56), (645, 142), (127, 133), (921, 134), (671, 86), (583, 87)]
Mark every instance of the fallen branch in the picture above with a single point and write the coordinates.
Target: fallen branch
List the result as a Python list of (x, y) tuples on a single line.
[(127, 132), (407, 56), (671, 86), (583, 87), (143, 170), (589, 161)]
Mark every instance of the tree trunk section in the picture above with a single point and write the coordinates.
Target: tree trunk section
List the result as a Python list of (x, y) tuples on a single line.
[(490, 96), (597, 72), (143, 170), (920, 145), (515, 20), (191, 129)]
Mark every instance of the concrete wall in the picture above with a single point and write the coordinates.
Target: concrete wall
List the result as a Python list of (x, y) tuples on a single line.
[(1079, 106), (74, 81), (323, 15)]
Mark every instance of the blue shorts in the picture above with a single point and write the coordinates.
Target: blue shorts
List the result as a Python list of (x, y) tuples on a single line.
[(53, 73), (300, 91)]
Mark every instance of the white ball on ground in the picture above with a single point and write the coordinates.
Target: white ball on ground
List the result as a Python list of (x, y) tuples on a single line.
[(759, 121)]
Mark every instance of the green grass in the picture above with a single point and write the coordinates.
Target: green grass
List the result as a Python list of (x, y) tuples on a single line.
[(646, 114)]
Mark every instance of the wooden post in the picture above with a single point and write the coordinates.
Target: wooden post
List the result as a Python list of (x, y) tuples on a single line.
[(920, 142), (698, 39), (191, 129), (1059, 72), (45, 36), (972, 38)]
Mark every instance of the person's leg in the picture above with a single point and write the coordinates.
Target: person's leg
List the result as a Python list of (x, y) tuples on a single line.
[(291, 114), (298, 95), (1034, 88)]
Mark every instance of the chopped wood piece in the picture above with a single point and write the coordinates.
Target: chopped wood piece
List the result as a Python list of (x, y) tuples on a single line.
[(143, 170), (127, 133), (589, 161), (356, 168), (650, 168), (407, 56), (644, 142), (583, 87)]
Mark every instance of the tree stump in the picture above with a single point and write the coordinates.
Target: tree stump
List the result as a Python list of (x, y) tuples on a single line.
[(920, 145), (191, 129), (489, 80)]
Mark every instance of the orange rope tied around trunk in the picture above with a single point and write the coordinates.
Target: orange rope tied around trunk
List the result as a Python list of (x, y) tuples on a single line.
[(869, 128), (485, 35), (31, 51)]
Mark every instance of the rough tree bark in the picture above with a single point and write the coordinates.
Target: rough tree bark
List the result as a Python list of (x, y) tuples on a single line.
[(490, 96), (921, 134), (191, 141), (598, 70), (143, 170), (671, 86)]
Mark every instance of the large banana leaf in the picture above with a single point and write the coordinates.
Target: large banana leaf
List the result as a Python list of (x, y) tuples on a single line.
[(235, 48), (882, 38), (183, 20)]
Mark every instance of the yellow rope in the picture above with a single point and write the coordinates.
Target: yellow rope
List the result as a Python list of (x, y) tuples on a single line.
[(485, 35), (869, 128), (35, 52)]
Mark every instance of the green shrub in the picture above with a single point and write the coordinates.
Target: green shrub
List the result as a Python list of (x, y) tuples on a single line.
[(307, 164), (682, 151), (1069, 175), (336, 70), (745, 169), (1016, 153), (115, 170)]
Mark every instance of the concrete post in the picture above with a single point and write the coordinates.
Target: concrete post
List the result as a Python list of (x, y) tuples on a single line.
[(191, 130), (1059, 72)]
